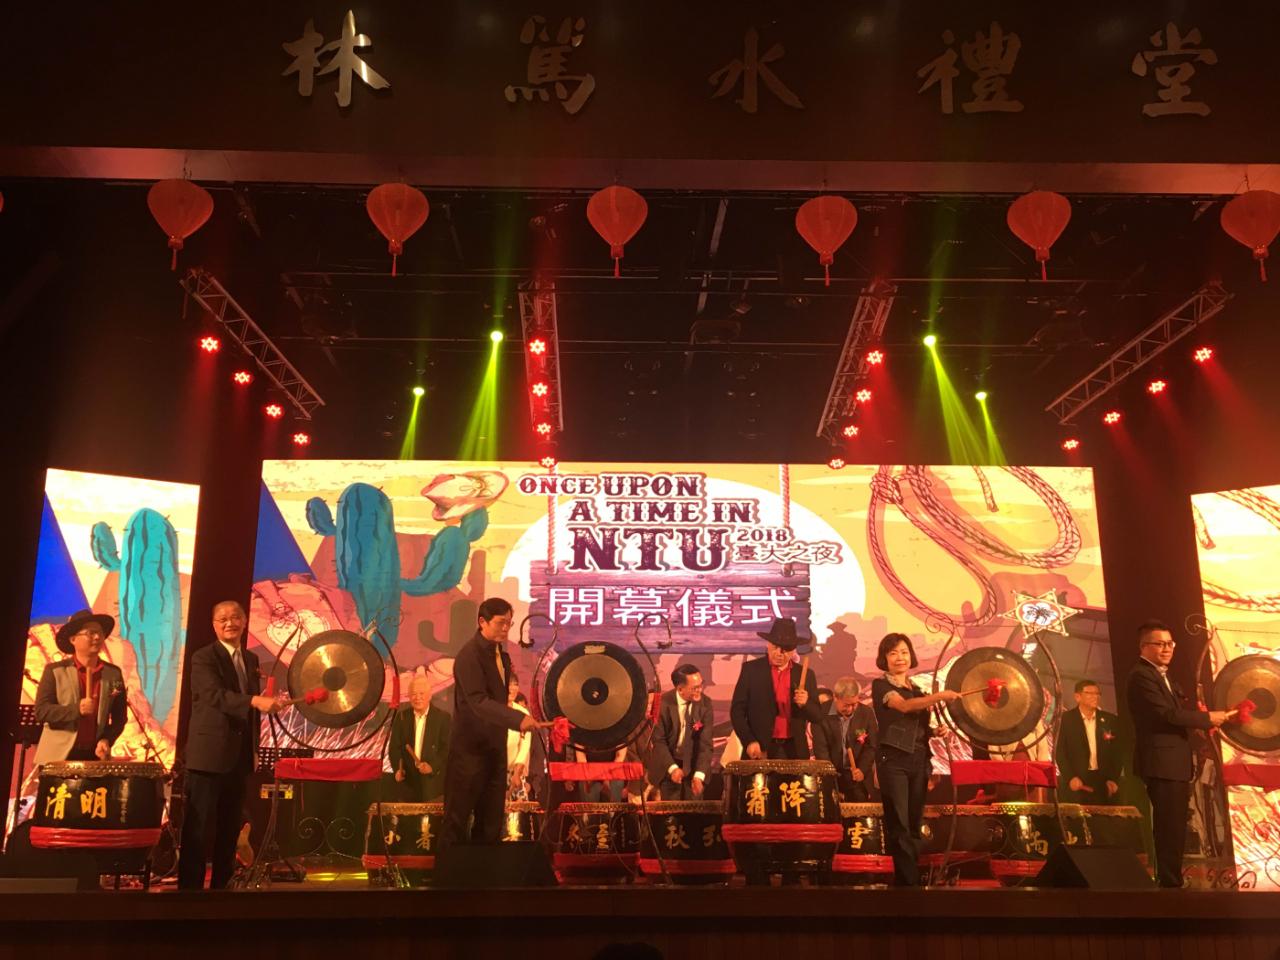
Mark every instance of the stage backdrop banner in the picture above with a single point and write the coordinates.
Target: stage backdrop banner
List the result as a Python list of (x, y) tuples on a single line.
[(711, 552), (1238, 538), (121, 546)]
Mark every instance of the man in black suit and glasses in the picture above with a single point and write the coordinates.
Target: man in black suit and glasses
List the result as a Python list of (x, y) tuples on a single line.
[(681, 755), (1162, 720)]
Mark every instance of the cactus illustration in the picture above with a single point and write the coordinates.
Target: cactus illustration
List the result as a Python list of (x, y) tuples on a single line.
[(368, 558), (150, 599)]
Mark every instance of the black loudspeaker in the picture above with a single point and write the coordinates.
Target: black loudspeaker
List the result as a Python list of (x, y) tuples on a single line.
[(485, 866), (1094, 868), (67, 869)]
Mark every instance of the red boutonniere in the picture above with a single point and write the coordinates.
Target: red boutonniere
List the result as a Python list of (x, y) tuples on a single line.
[(1108, 735), (862, 737), (697, 726)]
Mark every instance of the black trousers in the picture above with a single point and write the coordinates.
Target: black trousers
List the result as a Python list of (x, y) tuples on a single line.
[(475, 785), (678, 791), (904, 781), (783, 750), (1095, 779), (853, 791), (1170, 800), (217, 799)]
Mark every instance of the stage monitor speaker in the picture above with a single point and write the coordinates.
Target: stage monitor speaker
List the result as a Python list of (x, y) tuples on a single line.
[(39, 885), (65, 868), (486, 866), (1093, 868)]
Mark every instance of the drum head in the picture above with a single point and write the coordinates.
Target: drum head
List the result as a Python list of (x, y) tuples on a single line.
[(1016, 710), (1255, 677), (600, 689), (347, 666)]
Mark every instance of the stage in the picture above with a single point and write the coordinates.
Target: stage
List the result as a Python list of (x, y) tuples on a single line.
[(708, 924)]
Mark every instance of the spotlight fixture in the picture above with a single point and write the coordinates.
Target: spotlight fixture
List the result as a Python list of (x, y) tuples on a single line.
[(274, 411), (539, 389), (1157, 387), (496, 336), (537, 346), (242, 378), (981, 396), (930, 340), (210, 344), (836, 463), (863, 395), (544, 429), (301, 439), (419, 391), (548, 461), (850, 431), (1202, 354), (875, 358), (1071, 443), (1111, 418)]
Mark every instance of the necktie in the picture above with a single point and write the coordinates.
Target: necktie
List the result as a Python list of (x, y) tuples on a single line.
[(844, 742), (684, 727), (497, 658), (239, 663)]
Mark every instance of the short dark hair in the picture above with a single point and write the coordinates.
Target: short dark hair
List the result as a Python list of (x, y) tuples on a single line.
[(1151, 626), (890, 641), (827, 691), (493, 607), (1086, 682), (522, 699), (681, 674)]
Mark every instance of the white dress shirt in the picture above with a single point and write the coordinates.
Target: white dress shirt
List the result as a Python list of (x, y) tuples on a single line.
[(1091, 734), (237, 660), (419, 731)]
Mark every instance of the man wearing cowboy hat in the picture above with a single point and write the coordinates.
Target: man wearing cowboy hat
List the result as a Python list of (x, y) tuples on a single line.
[(771, 709), (81, 700)]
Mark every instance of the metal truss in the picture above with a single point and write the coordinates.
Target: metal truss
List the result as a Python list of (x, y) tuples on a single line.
[(538, 322), (1205, 303), (870, 314), (204, 288)]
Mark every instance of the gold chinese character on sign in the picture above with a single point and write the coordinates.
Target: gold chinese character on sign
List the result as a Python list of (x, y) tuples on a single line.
[(990, 57), (675, 837), (602, 837), (856, 833), (57, 802), (793, 795), (755, 799), (391, 837), (93, 803), (574, 836), (1182, 56), (1035, 843), (751, 69), (710, 835), (547, 69), (424, 841), (306, 51)]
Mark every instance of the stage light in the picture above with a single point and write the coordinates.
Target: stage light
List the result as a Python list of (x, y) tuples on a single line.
[(540, 389), (1157, 387), (548, 461), (419, 391), (930, 341), (1071, 443), (274, 411), (850, 431), (1202, 354), (863, 395), (537, 346), (875, 358), (301, 439), (1111, 418), (210, 344), (836, 463), (242, 378), (981, 396), (496, 336)]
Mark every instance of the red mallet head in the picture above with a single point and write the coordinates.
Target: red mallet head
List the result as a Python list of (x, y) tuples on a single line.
[(1244, 711), (994, 688)]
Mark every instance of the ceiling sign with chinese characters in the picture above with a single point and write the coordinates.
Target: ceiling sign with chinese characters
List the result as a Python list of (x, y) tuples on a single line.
[(457, 93)]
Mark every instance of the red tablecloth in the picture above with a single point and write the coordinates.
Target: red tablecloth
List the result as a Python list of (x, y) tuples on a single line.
[(1018, 773), (1264, 775), (591, 772), (328, 768)]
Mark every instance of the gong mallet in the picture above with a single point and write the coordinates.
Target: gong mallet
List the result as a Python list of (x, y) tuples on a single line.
[(990, 692)]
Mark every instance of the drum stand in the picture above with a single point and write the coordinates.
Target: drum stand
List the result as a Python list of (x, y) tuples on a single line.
[(258, 875)]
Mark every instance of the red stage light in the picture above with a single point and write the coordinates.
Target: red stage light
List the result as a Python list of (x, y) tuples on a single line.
[(1071, 444), (544, 429), (1111, 418), (875, 358), (538, 346), (540, 389), (242, 378), (1202, 354), (1157, 386), (548, 461), (210, 344), (863, 395), (836, 463), (301, 439), (274, 411), (850, 431)]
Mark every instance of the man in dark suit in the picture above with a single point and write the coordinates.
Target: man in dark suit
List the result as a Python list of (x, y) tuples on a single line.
[(476, 779), (771, 710), (851, 730), (1089, 759), (418, 748), (222, 740), (681, 754), (1162, 719)]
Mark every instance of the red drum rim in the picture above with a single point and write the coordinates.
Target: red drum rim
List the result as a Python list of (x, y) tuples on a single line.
[(782, 832), (406, 861), (117, 839), (721, 868)]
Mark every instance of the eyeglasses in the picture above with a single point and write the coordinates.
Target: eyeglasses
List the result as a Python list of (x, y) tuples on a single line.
[(236, 619), (1160, 644)]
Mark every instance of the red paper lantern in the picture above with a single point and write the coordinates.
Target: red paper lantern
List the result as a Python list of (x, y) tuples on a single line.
[(825, 222), (181, 208), (1253, 219), (398, 211), (617, 213), (1038, 219)]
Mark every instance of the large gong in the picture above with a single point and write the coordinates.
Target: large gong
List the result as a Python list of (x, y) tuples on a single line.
[(344, 664), (1255, 677), (600, 689), (1013, 713)]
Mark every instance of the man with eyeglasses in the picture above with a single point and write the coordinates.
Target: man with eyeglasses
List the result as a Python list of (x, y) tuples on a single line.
[(1162, 718), (80, 700), (222, 742)]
